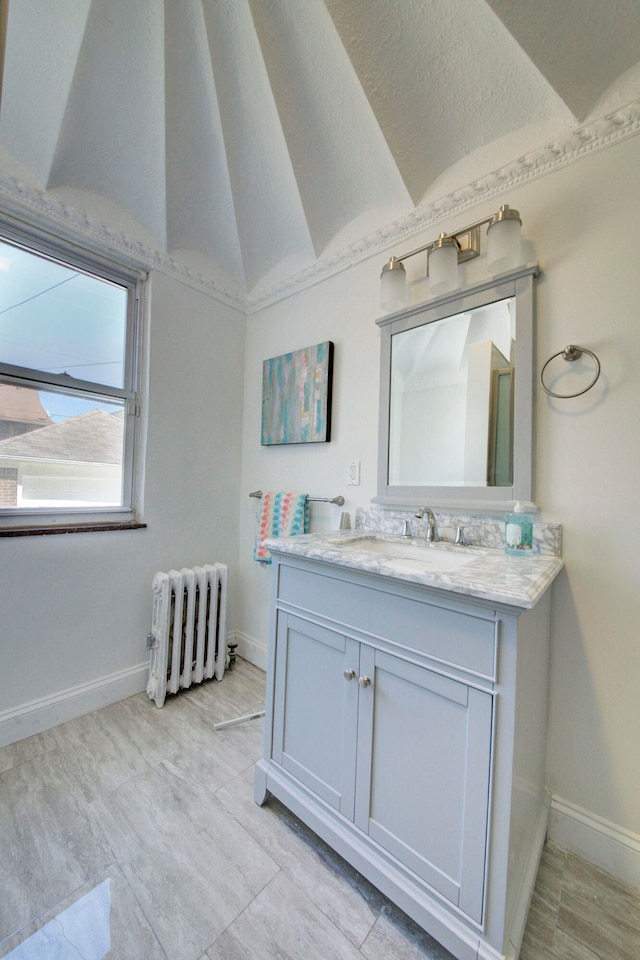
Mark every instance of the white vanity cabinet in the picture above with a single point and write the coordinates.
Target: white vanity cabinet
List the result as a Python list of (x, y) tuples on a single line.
[(394, 731)]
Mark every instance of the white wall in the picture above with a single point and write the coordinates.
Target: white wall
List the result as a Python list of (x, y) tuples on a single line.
[(76, 609), (580, 223), (588, 469), (342, 310)]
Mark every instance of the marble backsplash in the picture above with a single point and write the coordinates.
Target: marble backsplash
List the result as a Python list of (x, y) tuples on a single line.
[(479, 531)]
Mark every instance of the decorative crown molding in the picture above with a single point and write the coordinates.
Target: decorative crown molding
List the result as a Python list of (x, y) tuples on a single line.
[(582, 140), (30, 202)]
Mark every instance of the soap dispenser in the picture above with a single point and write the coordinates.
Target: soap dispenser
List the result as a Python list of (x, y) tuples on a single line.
[(518, 532)]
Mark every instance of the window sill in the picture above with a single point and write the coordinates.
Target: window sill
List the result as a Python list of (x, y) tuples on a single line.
[(69, 528)]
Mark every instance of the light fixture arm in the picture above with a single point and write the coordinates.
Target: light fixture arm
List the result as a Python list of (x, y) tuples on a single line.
[(504, 253), (467, 243)]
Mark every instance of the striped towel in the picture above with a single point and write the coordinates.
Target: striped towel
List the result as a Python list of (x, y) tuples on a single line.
[(283, 515)]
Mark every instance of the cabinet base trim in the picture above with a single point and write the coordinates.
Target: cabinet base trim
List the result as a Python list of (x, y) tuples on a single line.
[(432, 916), (523, 901)]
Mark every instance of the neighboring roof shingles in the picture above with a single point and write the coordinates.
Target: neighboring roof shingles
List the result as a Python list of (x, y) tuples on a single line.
[(22, 405), (94, 437)]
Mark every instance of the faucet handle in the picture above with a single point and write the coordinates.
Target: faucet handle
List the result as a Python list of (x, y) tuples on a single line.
[(406, 529), (460, 539)]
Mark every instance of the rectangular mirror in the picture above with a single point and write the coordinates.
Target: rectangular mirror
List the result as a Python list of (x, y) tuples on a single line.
[(456, 397)]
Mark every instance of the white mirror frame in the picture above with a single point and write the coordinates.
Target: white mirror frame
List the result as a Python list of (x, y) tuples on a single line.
[(519, 284)]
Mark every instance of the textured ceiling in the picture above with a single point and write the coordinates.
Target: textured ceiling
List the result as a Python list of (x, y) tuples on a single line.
[(253, 140)]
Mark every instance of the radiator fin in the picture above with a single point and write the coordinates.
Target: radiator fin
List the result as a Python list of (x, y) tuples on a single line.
[(188, 629)]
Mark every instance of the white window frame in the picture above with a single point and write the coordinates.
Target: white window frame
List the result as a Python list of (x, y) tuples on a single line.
[(134, 280)]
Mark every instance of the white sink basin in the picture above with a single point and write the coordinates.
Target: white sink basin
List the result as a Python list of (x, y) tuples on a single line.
[(432, 556)]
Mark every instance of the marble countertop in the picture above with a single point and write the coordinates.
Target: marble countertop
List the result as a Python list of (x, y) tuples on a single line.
[(489, 575)]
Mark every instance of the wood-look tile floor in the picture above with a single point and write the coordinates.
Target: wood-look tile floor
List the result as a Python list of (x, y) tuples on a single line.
[(131, 833)]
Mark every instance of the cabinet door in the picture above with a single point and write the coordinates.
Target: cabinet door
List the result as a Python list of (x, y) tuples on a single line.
[(423, 763), (315, 709)]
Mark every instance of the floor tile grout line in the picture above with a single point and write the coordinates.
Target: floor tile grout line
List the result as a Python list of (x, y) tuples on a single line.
[(331, 921), (246, 907), (285, 871), (60, 747), (149, 921), (558, 879), (198, 786)]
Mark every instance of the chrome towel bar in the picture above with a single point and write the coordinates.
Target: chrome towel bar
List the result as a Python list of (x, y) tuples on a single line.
[(339, 501)]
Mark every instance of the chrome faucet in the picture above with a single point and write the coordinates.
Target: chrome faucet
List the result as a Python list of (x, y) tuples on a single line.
[(461, 537), (431, 536)]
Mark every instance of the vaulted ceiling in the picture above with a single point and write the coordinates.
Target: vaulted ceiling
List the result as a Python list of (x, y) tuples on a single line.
[(257, 143)]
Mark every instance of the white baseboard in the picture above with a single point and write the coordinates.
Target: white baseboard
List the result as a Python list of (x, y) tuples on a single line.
[(251, 649), (520, 912), (614, 849), (609, 846), (39, 715)]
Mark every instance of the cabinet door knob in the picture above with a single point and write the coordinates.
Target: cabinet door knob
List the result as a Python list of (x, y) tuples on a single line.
[(349, 674), (364, 682)]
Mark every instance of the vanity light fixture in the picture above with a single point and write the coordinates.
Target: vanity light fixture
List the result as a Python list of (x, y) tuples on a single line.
[(504, 236), (442, 265), (449, 250)]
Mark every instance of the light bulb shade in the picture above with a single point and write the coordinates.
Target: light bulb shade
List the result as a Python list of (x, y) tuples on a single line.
[(393, 286), (443, 266), (504, 236)]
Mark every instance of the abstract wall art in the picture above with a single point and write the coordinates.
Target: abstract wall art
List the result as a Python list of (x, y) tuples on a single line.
[(296, 396)]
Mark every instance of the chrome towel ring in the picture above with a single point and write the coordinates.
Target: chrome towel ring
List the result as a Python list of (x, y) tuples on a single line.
[(570, 353)]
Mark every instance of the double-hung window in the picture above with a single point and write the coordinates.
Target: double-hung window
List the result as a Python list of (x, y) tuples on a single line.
[(69, 386)]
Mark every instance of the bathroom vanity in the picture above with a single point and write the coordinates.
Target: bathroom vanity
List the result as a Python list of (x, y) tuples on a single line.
[(406, 722)]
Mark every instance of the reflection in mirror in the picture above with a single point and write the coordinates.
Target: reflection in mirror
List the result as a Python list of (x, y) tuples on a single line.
[(456, 392), (451, 400)]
